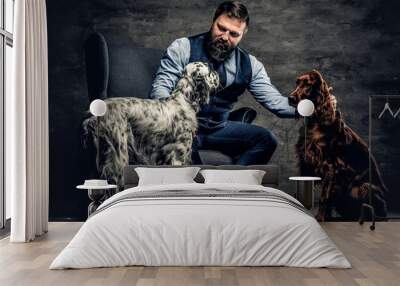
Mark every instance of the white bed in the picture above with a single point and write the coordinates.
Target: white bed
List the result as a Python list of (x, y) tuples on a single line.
[(245, 225)]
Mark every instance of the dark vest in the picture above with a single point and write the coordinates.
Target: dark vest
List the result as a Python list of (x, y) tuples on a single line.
[(215, 114)]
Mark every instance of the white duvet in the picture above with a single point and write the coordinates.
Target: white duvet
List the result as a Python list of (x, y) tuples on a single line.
[(217, 231)]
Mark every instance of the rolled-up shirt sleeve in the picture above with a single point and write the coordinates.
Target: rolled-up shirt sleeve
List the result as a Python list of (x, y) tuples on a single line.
[(267, 94), (171, 66)]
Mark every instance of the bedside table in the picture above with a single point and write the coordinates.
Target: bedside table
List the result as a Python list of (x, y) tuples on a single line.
[(97, 195), (305, 190)]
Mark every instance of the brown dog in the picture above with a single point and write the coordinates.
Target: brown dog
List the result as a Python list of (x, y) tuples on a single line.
[(335, 153)]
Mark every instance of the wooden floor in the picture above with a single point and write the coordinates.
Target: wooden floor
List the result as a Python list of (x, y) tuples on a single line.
[(375, 256)]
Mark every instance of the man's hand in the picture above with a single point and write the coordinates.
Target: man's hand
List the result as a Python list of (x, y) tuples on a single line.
[(292, 101)]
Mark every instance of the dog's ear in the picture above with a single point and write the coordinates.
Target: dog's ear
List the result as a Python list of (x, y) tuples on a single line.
[(325, 90), (325, 101), (318, 76), (202, 92)]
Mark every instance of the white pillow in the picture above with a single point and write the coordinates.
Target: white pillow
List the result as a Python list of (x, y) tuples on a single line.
[(249, 177), (164, 176)]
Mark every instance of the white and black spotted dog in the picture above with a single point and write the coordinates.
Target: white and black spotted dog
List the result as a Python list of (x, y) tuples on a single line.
[(148, 131)]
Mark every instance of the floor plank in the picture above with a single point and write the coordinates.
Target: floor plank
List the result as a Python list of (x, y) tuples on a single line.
[(375, 257)]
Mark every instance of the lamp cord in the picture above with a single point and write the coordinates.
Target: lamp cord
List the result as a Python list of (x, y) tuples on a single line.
[(305, 138), (97, 143)]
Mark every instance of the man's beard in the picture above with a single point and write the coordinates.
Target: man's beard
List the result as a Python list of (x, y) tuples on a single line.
[(219, 49)]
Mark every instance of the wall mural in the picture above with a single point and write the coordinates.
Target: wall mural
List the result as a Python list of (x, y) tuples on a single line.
[(171, 101)]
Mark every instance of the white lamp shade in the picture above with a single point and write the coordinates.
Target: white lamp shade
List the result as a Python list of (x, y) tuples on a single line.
[(305, 107), (98, 107)]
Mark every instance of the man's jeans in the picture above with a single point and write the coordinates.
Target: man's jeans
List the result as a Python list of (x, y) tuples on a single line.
[(249, 144)]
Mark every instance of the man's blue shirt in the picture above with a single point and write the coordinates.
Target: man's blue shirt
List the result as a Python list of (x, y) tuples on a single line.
[(260, 86)]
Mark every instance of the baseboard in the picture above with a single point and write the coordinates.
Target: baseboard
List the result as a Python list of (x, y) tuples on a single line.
[(67, 219)]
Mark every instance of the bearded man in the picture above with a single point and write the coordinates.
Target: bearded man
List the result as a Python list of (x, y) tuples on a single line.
[(238, 71)]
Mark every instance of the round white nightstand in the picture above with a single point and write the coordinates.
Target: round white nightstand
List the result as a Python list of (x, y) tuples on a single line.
[(305, 190), (97, 195)]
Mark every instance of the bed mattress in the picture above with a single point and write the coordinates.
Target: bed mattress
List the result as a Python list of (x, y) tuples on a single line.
[(201, 225)]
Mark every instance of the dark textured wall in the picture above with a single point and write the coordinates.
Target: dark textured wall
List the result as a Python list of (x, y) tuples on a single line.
[(354, 43)]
